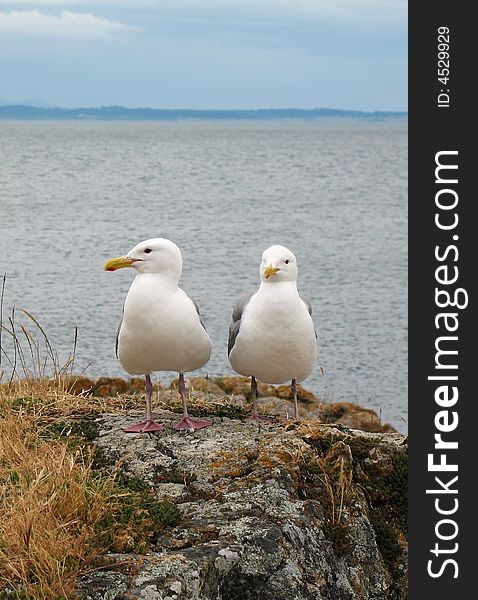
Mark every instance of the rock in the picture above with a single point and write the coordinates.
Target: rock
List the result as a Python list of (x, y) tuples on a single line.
[(199, 384), (303, 395), (291, 511), (351, 415), (79, 385), (110, 386), (109, 585), (281, 408), (233, 391), (241, 386), (233, 385), (105, 387), (137, 385)]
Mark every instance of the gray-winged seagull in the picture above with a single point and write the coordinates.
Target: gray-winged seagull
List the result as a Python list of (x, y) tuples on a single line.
[(272, 336), (161, 328)]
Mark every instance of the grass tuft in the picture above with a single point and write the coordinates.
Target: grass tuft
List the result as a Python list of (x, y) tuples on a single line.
[(61, 506), (50, 503)]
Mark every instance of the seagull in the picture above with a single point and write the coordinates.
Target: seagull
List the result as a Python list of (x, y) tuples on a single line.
[(161, 329), (272, 336)]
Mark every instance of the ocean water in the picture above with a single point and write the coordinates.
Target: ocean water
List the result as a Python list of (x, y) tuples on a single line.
[(73, 194)]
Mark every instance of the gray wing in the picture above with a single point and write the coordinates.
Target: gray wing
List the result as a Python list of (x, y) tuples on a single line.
[(308, 305), (118, 332), (235, 325), (199, 314), (117, 337)]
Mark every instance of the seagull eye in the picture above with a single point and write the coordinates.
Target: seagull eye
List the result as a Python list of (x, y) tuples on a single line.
[(286, 262), (147, 250)]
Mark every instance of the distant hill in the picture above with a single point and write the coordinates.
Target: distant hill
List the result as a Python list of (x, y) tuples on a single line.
[(35, 103), (118, 113)]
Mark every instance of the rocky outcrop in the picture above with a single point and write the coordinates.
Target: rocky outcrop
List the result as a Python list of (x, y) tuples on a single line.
[(235, 391), (283, 511), (104, 387)]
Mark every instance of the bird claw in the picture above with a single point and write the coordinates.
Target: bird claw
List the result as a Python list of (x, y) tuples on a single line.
[(144, 427), (191, 424)]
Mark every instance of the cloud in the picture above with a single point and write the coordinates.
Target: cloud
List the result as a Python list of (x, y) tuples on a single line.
[(311, 8), (46, 2), (322, 6), (76, 2), (92, 3), (334, 8), (66, 24), (355, 14)]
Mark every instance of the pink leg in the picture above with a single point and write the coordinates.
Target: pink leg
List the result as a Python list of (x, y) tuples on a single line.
[(150, 424), (255, 416), (187, 422)]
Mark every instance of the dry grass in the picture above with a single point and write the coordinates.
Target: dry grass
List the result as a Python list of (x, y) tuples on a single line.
[(59, 508), (53, 503), (331, 471), (50, 502), (49, 399), (27, 350), (337, 475)]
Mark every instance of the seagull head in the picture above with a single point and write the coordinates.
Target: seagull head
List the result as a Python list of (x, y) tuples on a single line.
[(278, 264), (157, 255)]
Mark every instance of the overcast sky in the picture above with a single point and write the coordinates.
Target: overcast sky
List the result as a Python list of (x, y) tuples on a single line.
[(205, 53)]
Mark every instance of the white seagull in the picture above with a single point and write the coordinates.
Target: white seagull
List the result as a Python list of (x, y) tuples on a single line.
[(161, 328), (272, 336)]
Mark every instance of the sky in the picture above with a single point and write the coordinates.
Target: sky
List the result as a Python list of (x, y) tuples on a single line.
[(349, 54)]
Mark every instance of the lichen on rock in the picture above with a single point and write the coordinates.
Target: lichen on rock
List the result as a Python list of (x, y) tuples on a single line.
[(283, 511)]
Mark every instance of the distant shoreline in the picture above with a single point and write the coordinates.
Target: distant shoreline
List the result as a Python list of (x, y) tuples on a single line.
[(120, 113)]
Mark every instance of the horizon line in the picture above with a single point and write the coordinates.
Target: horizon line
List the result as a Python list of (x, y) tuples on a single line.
[(23, 105)]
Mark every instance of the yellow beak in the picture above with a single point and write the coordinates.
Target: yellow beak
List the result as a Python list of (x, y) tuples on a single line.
[(118, 263), (270, 270)]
